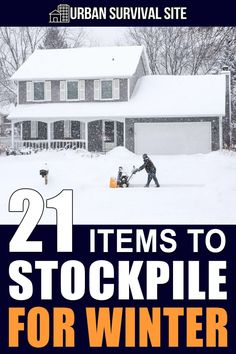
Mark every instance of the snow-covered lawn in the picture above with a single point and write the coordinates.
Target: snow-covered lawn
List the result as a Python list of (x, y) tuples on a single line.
[(195, 189)]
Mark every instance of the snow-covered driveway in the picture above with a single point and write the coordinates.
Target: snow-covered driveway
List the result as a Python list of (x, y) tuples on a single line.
[(195, 189)]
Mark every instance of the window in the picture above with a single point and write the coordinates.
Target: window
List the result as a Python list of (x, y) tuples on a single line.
[(38, 91), (58, 129), (109, 132), (106, 90), (72, 90), (76, 130), (75, 90)]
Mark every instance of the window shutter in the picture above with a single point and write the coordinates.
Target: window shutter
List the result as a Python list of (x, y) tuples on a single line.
[(82, 130), (62, 90), (34, 129), (48, 94), (51, 130), (82, 90), (116, 89), (96, 89), (18, 92), (29, 91), (67, 129)]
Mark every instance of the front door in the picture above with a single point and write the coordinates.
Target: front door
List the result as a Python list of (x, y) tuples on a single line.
[(110, 136)]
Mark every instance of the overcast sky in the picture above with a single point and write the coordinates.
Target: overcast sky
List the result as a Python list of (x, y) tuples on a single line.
[(106, 35)]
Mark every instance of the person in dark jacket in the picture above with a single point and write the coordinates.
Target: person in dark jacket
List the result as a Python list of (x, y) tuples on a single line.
[(150, 169)]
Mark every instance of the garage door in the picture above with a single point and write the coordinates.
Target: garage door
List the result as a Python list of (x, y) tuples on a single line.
[(172, 138)]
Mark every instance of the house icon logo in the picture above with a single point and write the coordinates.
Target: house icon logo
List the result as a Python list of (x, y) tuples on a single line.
[(60, 15)]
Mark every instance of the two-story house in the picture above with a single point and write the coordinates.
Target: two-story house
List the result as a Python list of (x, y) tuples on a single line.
[(99, 98)]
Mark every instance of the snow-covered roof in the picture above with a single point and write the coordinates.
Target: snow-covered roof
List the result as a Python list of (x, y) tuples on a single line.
[(180, 95), (4, 110), (75, 63), (154, 96)]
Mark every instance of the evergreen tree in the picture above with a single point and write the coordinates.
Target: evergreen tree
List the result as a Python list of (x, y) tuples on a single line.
[(54, 39)]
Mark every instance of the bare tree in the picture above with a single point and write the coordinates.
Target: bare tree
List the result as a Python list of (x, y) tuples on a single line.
[(207, 45), (16, 44), (229, 60), (76, 37), (182, 50)]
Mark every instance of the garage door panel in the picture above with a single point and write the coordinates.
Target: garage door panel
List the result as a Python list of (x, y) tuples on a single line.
[(172, 138)]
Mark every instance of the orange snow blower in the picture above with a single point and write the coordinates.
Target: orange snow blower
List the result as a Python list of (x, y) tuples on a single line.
[(113, 183), (122, 180)]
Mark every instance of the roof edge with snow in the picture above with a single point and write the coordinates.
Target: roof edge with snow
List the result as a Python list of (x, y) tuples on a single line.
[(155, 96)]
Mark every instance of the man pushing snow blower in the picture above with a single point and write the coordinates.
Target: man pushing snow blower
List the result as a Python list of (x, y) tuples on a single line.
[(150, 169)]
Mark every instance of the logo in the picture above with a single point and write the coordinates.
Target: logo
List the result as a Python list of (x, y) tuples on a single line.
[(60, 15)]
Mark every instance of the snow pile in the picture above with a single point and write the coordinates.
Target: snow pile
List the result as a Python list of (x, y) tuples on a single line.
[(195, 189), (121, 152)]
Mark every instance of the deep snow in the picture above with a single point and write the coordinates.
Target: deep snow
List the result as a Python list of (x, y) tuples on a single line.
[(195, 189)]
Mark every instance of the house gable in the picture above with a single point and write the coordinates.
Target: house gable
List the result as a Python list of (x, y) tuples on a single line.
[(140, 71), (93, 66)]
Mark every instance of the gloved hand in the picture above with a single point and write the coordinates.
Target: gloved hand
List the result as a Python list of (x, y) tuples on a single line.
[(135, 170)]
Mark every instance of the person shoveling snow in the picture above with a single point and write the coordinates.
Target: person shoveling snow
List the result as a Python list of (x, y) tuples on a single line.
[(150, 169)]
